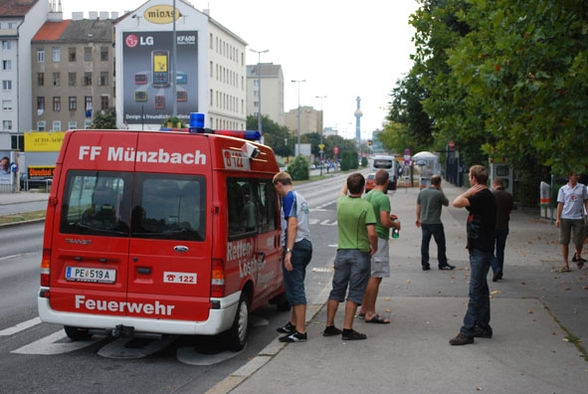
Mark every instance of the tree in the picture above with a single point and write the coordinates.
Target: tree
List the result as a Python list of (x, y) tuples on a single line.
[(299, 169), (276, 136), (105, 119)]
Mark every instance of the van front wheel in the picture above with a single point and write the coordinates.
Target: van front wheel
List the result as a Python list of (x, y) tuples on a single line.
[(237, 334), (77, 333)]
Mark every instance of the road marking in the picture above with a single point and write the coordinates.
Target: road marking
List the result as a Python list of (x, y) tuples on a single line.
[(20, 327), (313, 221), (50, 345), (327, 222), (317, 210)]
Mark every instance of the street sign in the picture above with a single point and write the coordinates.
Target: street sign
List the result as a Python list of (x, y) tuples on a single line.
[(322, 147), (451, 145)]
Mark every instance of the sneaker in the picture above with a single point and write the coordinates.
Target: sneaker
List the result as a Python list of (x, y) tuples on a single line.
[(331, 331), (479, 332), (426, 267), (294, 337), (352, 335), (461, 339), (497, 276), (447, 267), (287, 328)]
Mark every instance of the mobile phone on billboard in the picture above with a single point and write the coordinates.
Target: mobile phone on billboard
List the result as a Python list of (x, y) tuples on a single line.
[(140, 78), (159, 102), (182, 95), (160, 68), (140, 95)]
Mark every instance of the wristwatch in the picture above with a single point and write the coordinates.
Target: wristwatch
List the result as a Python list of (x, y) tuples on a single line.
[(288, 250)]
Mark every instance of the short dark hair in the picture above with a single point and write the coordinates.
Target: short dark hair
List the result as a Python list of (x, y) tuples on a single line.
[(480, 173), (572, 172), (355, 183), (436, 180), (381, 177), (498, 182)]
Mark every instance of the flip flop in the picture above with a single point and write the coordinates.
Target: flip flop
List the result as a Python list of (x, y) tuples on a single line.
[(377, 319), (565, 268)]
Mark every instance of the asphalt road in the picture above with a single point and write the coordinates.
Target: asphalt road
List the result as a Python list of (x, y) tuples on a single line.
[(35, 356)]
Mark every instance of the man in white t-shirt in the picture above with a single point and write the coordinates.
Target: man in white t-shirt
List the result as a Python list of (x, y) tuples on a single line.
[(572, 199)]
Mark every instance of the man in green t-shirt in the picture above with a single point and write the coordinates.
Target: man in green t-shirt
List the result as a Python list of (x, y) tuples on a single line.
[(357, 242), (380, 265)]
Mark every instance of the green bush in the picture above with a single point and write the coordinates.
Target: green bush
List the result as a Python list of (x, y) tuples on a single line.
[(348, 161), (299, 169), (364, 161)]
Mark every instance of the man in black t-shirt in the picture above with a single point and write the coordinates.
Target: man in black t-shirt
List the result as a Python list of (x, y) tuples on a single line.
[(480, 203)]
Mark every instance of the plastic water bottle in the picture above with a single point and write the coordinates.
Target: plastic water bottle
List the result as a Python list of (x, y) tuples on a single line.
[(395, 231)]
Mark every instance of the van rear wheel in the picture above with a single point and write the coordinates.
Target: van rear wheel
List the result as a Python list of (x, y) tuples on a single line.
[(77, 333), (237, 334)]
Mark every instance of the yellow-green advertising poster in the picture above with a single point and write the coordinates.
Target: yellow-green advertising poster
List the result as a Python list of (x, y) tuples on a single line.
[(43, 141)]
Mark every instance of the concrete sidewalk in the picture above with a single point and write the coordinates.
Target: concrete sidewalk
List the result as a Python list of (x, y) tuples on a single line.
[(22, 197), (535, 310)]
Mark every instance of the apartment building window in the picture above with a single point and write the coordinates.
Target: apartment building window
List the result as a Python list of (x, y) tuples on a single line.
[(88, 54), (56, 54), (103, 78), (87, 78), (6, 105), (211, 97), (6, 64), (73, 103), (40, 79), (211, 41), (87, 123), (41, 125), (56, 103), (40, 55), (211, 69), (5, 44), (88, 103), (71, 54), (7, 84), (104, 54), (56, 79), (7, 124), (71, 79), (40, 105), (103, 103), (72, 125), (56, 125)]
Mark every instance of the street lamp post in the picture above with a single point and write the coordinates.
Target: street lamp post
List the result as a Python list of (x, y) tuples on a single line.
[(322, 128), (298, 81), (259, 86), (174, 68)]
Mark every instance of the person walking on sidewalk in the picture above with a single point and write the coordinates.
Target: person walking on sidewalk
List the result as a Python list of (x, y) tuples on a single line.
[(481, 223), (357, 241), (380, 266), (430, 201), (504, 204), (571, 198), (296, 256)]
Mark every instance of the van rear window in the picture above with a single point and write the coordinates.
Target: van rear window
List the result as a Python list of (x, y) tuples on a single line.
[(384, 164), (164, 206)]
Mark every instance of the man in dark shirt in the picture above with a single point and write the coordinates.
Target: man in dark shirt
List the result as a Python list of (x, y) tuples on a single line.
[(481, 223), (504, 204)]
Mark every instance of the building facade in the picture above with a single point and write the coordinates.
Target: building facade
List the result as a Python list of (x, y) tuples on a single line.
[(311, 120), (210, 69), (271, 78), (19, 21), (72, 73)]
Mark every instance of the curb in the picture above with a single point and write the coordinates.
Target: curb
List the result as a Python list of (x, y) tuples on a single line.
[(15, 224)]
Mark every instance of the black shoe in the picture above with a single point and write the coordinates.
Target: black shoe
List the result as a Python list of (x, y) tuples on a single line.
[(482, 333), (574, 259), (447, 267), (331, 331), (287, 328), (294, 337), (426, 267), (352, 335), (461, 339), (497, 276)]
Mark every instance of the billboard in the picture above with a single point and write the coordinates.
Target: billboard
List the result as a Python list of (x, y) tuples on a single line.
[(147, 76), (43, 141)]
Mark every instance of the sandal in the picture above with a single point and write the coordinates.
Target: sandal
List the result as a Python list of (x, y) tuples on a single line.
[(378, 320), (565, 268), (580, 264)]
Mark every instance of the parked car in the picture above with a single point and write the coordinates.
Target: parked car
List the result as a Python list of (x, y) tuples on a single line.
[(370, 182)]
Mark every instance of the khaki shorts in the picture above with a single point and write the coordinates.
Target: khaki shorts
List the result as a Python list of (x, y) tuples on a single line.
[(573, 227), (380, 260)]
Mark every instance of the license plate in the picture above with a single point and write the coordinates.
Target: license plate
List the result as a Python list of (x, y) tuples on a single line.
[(83, 274)]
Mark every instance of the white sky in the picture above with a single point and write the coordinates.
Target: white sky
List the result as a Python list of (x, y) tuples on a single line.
[(342, 48)]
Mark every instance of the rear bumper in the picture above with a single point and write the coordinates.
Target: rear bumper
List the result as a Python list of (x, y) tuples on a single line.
[(219, 320)]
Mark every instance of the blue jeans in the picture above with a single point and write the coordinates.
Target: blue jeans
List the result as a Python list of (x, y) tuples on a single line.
[(478, 313), (294, 280), (498, 261), (435, 230)]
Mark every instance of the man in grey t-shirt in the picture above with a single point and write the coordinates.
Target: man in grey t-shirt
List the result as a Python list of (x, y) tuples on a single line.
[(428, 217)]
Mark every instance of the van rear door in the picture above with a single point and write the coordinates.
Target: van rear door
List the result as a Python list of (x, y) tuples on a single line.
[(171, 237), (89, 252)]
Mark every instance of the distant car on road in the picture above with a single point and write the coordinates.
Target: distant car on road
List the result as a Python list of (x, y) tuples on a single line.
[(370, 182)]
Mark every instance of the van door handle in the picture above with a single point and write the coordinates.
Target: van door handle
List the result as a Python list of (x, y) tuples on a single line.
[(144, 270), (181, 248)]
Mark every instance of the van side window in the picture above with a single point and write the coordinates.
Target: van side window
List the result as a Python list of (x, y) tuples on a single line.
[(267, 205), (243, 210), (94, 203), (169, 206)]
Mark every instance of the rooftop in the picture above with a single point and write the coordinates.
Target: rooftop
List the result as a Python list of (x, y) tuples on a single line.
[(13, 8)]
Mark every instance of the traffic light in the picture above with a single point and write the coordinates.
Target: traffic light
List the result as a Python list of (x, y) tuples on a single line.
[(369, 142)]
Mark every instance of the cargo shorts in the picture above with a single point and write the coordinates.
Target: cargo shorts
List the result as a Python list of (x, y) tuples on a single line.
[(352, 268)]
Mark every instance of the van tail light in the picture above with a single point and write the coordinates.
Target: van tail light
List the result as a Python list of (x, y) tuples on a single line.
[(217, 279), (45, 267)]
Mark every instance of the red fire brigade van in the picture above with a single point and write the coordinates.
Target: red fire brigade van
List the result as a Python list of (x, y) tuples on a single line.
[(160, 232)]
